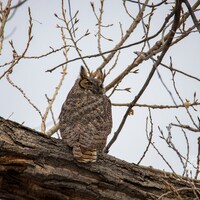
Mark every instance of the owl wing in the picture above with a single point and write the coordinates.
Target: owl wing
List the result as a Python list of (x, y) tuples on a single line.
[(99, 124), (108, 108), (69, 115)]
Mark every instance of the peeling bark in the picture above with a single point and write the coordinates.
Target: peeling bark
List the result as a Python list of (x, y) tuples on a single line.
[(33, 166)]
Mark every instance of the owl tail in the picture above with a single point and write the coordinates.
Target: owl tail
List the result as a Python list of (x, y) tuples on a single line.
[(84, 156)]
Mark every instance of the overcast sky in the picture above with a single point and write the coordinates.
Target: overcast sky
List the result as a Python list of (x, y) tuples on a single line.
[(30, 75)]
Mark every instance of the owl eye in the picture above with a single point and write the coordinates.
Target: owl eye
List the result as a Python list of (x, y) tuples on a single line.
[(88, 83), (85, 83)]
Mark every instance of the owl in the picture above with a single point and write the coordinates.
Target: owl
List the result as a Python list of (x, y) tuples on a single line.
[(86, 118)]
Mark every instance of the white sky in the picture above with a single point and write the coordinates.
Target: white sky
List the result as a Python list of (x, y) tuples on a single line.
[(30, 75)]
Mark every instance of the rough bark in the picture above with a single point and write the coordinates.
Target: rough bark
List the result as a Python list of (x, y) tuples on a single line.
[(33, 166)]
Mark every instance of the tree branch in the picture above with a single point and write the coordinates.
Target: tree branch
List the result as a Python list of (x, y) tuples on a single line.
[(196, 23), (25, 153)]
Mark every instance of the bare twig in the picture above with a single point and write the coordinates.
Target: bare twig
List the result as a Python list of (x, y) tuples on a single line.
[(154, 146), (164, 159), (187, 154), (18, 4), (115, 63), (149, 136), (99, 19), (51, 101), (23, 93), (150, 6), (184, 160), (177, 70), (171, 145), (48, 53), (55, 128), (186, 127), (4, 18), (43, 128), (157, 106), (187, 110), (124, 4), (70, 15), (17, 58), (72, 35)]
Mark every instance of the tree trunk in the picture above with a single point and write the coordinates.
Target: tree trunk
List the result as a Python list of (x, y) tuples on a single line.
[(33, 166)]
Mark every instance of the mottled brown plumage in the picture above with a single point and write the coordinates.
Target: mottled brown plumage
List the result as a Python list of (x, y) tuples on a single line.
[(85, 118)]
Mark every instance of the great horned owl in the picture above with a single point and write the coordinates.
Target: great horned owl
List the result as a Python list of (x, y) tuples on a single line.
[(85, 118)]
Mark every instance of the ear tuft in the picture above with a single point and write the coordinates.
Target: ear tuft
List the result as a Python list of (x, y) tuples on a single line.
[(83, 72), (100, 74)]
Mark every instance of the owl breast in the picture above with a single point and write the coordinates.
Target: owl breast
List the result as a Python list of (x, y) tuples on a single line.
[(85, 122)]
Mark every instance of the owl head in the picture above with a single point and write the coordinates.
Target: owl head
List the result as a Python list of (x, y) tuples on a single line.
[(93, 81)]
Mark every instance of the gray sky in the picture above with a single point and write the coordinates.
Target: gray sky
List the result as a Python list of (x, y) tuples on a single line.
[(30, 75)]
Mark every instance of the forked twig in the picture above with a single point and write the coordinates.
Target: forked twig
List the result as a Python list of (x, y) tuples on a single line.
[(17, 58), (149, 137), (51, 101)]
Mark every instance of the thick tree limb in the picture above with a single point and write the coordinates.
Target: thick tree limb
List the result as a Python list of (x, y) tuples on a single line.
[(33, 166)]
